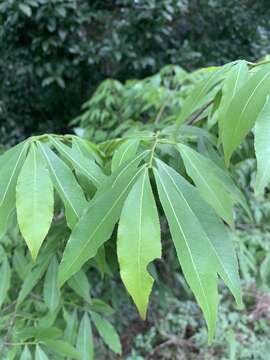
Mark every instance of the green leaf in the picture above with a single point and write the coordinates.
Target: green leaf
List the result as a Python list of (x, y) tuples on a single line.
[(262, 148), (212, 189), (34, 200), (5, 275), (138, 241), (40, 354), (80, 284), (107, 332), (199, 96), (124, 152), (66, 185), (51, 291), (26, 9), (85, 343), (80, 163), (235, 78), (62, 348), (71, 328), (97, 222), (204, 246), (26, 354), (21, 264), (10, 164), (244, 110)]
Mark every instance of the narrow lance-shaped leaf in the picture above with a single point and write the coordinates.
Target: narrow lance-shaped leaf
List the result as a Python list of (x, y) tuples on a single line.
[(10, 164), (124, 152), (244, 110), (26, 354), (51, 291), (66, 185), (203, 244), (235, 78), (34, 200), (85, 345), (80, 284), (80, 163), (107, 332), (262, 147), (5, 275), (71, 328), (97, 222), (138, 241), (40, 354), (62, 348), (211, 188)]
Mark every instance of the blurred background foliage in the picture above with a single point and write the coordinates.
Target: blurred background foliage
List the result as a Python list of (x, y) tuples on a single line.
[(54, 53)]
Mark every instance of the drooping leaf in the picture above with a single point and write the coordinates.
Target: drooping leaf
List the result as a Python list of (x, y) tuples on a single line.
[(80, 163), (62, 348), (85, 343), (200, 169), (20, 264), (5, 275), (138, 241), (204, 246), (10, 165), (40, 354), (51, 291), (107, 332), (80, 284), (244, 110), (235, 78), (66, 185), (34, 200), (124, 152), (262, 147), (97, 222)]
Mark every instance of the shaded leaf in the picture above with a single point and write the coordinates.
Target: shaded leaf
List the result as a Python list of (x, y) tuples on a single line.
[(5, 275), (85, 344), (124, 152), (51, 291)]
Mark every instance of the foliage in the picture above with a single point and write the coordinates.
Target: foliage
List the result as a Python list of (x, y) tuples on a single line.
[(56, 52), (76, 192)]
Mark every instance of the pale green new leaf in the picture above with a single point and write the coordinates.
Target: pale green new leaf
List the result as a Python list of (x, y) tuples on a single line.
[(235, 78), (5, 275), (203, 244), (34, 200), (85, 343), (40, 354), (26, 354), (10, 164), (244, 110), (200, 169), (66, 185), (80, 284), (62, 348), (51, 291), (124, 152), (262, 147), (80, 163), (97, 222), (107, 332), (138, 241)]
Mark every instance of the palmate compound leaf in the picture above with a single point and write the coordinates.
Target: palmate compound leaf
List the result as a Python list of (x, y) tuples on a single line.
[(66, 185), (203, 244), (10, 166), (214, 183), (138, 241), (244, 110), (34, 200), (262, 147), (98, 220)]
